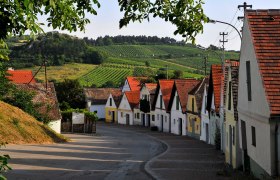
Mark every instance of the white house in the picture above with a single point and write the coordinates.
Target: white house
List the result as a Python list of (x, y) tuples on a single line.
[(162, 107), (147, 96), (213, 105), (96, 99), (129, 101), (132, 83), (179, 99), (205, 127), (259, 92)]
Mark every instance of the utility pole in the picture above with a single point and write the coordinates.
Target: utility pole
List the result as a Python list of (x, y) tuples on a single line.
[(244, 6), (223, 41)]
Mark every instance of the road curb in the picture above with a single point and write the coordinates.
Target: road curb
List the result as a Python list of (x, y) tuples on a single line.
[(147, 167)]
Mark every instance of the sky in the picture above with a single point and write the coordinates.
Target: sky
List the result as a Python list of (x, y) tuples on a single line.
[(107, 22)]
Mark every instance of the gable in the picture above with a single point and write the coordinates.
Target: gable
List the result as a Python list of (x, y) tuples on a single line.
[(112, 101), (124, 103)]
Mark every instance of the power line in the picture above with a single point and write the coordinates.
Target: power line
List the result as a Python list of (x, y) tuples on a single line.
[(232, 19)]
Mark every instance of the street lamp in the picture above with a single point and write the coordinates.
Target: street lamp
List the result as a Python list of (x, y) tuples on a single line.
[(216, 21)]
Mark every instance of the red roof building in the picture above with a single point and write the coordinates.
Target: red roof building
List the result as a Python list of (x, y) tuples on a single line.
[(20, 76), (133, 98)]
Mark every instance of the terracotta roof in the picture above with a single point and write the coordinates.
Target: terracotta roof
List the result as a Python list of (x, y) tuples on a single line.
[(215, 82), (99, 95), (47, 100), (265, 30), (166, 87), (20, 76), (151, 87), (117, 95), (135, 82), (183, 87), (198, 91), (133, 98)]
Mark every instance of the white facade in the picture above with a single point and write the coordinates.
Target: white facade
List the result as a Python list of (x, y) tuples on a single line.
[(137, 117), (254, 114), (110, 102), (162, 118), (146, 118), (205, 127), (55, 125), (126, 86), (99, 109), (125, 113), (178, 118)]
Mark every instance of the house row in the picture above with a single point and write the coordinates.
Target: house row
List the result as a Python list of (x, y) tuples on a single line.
[(236, 108)]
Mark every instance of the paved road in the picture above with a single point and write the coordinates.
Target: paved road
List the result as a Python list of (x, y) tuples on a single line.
[(114, 153)]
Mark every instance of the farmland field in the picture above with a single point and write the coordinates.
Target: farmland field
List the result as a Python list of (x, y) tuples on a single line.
[(67, 71)]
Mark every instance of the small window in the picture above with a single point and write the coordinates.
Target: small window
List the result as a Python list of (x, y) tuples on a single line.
[(138, 115), (253, 129), (229, 95), (205, 105), (192, 104), (110, 101), (173, 121), (157, 116), (121, 114), (177, 102), (135, 115), (233, 135), (153, 117), (160, 99), (248, 73)]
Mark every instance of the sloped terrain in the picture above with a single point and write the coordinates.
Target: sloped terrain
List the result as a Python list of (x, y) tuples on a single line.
[(18, 127)]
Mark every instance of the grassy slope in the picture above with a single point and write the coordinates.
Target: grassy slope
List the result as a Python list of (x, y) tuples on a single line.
[(18, 127), (67, 71)]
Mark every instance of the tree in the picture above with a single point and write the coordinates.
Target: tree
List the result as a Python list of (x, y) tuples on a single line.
[(94, 57), (177, 74), (70, 92)]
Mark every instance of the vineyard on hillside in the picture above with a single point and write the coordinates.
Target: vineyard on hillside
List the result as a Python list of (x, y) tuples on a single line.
[(105, 73)]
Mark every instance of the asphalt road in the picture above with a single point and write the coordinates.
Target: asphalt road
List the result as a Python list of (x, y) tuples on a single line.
[(113, 153)]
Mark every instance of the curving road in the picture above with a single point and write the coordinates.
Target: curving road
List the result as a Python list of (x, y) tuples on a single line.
[(113, 153)]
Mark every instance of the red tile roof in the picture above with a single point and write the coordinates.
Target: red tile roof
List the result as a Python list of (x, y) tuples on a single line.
[(183, 87), (265, 30), (135, 82), (133, 98), (166, 87), (151, 87), (198, 91), (217, 76), (20, 76), (117, 95), (99, 95)]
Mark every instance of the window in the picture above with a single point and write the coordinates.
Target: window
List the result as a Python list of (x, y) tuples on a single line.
[(173, 121), (153, 117), (109, 113), (165, 118), (110, 101), (160, 99), (248, 72), (233, 135), (138, 115), (229, 95), (158, 117), (192, 104), (177, 102), (253, 129), (205, 100), (121, 114)]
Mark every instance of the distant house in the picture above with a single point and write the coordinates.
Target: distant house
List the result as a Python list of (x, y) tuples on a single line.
[(259, 92), (178, 104), (214, 103), (147, 96), (161, 104), (194, 107), (96, 99), (232, 150), (20, 76), (132, 83), (205, 127), (111, 107), (47, 102), (129, 101)]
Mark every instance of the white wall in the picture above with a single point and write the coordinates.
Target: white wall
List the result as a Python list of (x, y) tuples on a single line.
[(123, 110), (137, 121), (55, 125), (100, 110), (126, 86), (108, 102), (175, 115), (204, 118)]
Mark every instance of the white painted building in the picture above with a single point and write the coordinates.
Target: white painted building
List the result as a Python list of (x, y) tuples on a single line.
[(259, 92), (179, 99), (129, 101), (162, 109), (205, 127)]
